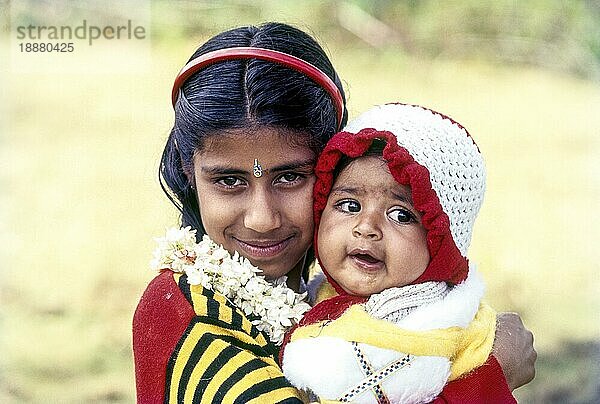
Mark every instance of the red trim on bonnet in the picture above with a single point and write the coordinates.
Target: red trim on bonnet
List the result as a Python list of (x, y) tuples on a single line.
[(446, 264)]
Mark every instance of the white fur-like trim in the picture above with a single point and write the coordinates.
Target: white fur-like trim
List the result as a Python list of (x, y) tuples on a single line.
[(419, 382), (325, 365), (328, 367)]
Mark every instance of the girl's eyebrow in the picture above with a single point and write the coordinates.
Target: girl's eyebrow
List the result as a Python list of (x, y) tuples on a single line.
[(222, 170), (290, 166), (294, 165)]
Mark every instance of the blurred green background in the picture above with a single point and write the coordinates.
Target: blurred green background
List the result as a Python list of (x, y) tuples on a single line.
[(80, 202)]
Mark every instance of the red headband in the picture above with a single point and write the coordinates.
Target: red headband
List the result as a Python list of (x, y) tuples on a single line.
[(265, 54)]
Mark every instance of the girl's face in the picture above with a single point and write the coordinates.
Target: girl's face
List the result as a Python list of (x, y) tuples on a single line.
[(370, 235), (266, 218)]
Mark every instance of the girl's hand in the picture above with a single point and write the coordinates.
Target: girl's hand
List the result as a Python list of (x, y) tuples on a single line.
[(513, 348)]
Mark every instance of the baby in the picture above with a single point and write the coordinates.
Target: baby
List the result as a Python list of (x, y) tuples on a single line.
[(396, 197)]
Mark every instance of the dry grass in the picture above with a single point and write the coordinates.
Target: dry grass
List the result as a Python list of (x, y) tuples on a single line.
[(81, 204)]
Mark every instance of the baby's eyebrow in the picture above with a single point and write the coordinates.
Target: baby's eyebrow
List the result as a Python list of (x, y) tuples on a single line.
[(399, 195), (349, 190), (402, 197)]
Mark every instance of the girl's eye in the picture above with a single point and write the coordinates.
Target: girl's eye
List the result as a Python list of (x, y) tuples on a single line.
[(400, 215), (229, 182), (348, 206), (289, 178)]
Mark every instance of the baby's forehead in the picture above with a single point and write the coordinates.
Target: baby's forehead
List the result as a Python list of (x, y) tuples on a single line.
[(369, 175), (362, 169)]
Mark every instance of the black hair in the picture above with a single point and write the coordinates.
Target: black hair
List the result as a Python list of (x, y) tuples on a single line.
[(245, 94)]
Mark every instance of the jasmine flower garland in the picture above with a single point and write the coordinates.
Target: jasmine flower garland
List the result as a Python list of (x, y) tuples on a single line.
[(271, 305)]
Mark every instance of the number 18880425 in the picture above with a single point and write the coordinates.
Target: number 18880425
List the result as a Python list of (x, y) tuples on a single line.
[(59, 47)]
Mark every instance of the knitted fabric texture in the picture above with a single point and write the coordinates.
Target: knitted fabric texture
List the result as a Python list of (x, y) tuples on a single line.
[(394, 304)]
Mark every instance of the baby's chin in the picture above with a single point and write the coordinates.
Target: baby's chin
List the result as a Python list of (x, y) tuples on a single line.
[(361, 292)]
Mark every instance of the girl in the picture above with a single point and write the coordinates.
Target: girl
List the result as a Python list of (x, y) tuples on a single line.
[(253, 108)]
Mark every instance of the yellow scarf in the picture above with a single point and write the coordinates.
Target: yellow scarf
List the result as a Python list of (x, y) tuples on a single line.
[(467, 348)]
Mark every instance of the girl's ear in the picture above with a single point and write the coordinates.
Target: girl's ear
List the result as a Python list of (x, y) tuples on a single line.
[(188, 170)]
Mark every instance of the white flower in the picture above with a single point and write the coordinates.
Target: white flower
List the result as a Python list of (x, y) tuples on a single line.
[(256, 286), (175, 250), (198, 277), (210, 265)]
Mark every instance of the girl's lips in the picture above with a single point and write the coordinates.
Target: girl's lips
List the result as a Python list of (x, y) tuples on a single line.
[(263, 248)]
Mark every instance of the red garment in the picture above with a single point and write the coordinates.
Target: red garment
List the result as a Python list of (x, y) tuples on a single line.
[(486, 384), (172, 315), (163, 314), (161, 317)]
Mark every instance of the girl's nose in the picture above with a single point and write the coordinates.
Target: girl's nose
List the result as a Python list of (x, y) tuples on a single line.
[(262, 214)]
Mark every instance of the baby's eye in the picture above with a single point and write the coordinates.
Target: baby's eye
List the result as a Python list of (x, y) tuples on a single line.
[(400, 215), (348, 206), (229, 182)]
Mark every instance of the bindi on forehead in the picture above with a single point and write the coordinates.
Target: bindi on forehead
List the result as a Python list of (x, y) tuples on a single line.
[(226, 155)]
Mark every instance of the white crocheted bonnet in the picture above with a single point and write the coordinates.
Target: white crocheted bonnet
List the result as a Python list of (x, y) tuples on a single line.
[(445, 148), (437, 158)]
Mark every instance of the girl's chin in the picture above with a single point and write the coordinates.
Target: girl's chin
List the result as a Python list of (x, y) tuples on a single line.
[(271, 272)]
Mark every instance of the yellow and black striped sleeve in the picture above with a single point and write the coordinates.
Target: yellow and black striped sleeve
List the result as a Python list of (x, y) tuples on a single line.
[(222, 357)]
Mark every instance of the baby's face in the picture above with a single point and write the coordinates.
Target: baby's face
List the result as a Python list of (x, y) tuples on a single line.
[(370, 235)]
